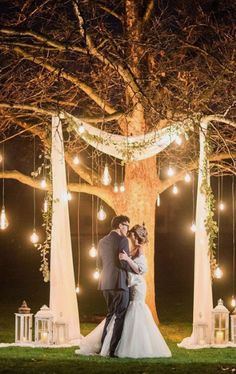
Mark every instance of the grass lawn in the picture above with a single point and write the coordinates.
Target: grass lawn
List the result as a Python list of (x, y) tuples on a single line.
[(63, 361), (36, 360)]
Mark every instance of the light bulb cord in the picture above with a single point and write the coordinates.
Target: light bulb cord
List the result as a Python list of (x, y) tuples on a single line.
[(3, 176)]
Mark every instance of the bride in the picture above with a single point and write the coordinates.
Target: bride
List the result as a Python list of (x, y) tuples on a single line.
[(140, 336)]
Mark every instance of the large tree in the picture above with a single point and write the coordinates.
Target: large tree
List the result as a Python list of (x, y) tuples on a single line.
[(128, 67)]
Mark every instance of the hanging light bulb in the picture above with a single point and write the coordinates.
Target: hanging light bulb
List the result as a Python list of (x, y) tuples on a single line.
[(178, 140), (233, 302), (193, 227), (45, 205), (122, 187), (101, 214), (77, 290), (170, 171), (34, 238), (43, 183), (106, 178), (221, 205), (93, 251), (3, 219), (158, 200), (81, 129), (218, 273), (187, 177), (175, 189), (116, 188), (1, 158), (76, 160), (96, 274)]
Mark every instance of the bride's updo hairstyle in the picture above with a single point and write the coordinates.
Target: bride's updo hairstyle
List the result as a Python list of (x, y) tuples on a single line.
[(140, 233)]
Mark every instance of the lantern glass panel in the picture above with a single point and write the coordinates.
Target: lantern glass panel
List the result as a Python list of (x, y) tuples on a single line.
[(217, 321), (223, 322)]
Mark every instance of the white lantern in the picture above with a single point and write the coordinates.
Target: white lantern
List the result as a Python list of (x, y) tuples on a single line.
[(23, 324), (60, 332), (233, 326), (220, 324), (44, 326), (200, 333)]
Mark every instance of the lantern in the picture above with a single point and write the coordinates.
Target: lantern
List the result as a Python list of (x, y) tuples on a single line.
[(44, 326), (60, 333), (233, 326), (23, 324), (220, 324), (200, 333)]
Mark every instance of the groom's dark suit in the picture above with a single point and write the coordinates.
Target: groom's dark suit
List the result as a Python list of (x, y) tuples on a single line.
[(114, 282)]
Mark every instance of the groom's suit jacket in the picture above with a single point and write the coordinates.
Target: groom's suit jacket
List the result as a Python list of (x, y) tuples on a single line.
[(113, 271)]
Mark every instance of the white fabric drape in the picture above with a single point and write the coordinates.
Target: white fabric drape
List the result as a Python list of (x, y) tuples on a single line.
[(131, 148), (63, 301), (203, 304)]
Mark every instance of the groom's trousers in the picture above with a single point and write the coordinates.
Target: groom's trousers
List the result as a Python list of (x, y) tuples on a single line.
[(117, 303)]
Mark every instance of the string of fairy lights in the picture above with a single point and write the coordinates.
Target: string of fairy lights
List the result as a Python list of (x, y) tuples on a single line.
[(100, 212)]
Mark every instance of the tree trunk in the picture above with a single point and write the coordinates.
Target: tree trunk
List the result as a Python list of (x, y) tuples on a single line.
[(138, 203)]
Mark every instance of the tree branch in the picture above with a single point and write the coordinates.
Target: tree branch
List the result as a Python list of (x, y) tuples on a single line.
[(103, 193), (69, 77), (148, 11), (163, 185)]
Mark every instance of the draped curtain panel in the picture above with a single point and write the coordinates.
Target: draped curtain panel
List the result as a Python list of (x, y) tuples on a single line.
[(203, 302), (63, 300), (127, 148)]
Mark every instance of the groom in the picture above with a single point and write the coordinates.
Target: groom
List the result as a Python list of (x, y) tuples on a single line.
[(114, 277)]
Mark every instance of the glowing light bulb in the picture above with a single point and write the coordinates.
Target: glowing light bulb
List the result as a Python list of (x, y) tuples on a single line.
[(116, 188), (122, 187), (45, 206), (43, 183), (1, 158), (3, 219), (77, 290), (81, 129), (218, 273), (96, 274), (187, 177), (193, 227), (34, 237), (170, 171), (101, 214), (106, 178), (178, 140), (69, 196), (158, 200), (76, 160), (233, 302), (221, 205), (93, 251), (175, 189)]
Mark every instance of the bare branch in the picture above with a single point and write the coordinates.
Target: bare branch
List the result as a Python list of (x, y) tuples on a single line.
[(71, 78), (105, 195), (148, 11)]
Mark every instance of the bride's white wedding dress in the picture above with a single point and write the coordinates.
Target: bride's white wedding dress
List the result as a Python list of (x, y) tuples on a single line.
[(140, 336)]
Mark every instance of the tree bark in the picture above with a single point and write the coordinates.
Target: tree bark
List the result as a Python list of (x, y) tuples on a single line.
[(138, 203)]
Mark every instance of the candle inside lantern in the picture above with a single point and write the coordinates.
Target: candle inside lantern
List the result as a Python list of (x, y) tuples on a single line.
[(219, 337), (44, 337)]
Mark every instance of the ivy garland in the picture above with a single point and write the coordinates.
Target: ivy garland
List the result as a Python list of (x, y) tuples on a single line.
[(44, 247), (210, 223)]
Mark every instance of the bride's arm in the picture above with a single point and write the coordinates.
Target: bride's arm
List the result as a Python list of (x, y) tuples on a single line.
[(123, 256)]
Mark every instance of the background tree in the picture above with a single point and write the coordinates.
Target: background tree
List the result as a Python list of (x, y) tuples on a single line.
[(128, 67)]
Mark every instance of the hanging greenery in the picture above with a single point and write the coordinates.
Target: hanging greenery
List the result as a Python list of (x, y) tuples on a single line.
[(210, 223), (44, 248)]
